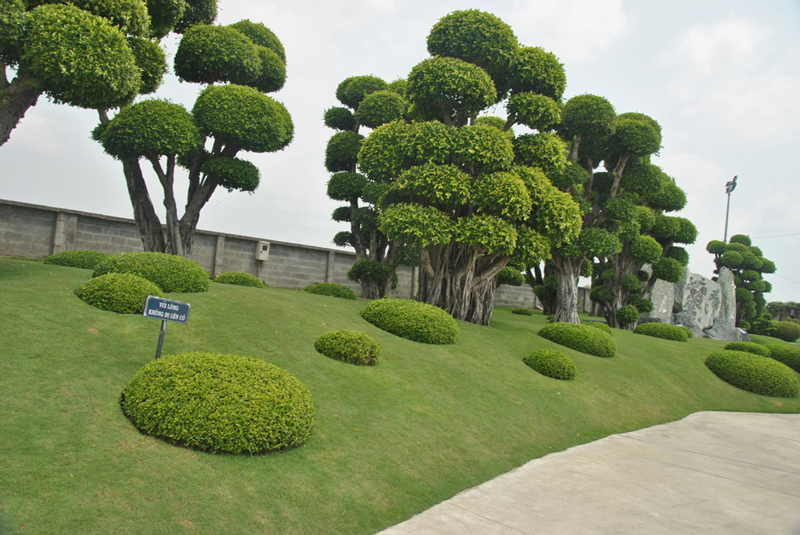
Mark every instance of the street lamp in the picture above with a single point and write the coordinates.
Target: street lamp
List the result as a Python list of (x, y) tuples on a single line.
[(729, 187)]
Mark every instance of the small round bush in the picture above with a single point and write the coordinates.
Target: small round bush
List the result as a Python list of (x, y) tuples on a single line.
[(79, 259), (118, 292), (754, 373), (333, 290), (240, 279), (173, 274), (748, 347), (789, 355), (219, 403), (662, 330), (598, 325), (349, 346), (522, 311), (788, 331), (628, 315), (413, 320), (580, 338), (555, 364)]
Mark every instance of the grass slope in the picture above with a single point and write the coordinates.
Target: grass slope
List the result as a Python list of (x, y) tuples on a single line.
[(390, 440)]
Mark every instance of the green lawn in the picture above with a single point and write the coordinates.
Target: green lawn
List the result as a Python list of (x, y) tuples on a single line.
[(390, 440)]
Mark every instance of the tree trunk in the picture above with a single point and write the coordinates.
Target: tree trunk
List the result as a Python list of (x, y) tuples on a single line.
[(150, 229), (460, 280), (15, 99), (568, 271)]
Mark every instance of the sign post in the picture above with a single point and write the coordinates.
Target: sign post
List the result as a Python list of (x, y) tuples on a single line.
[(165, 310)]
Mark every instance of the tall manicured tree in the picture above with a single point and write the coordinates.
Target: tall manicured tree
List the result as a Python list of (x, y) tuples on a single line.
[(368, 101), (235, 117), (455, 191), (748, 266)]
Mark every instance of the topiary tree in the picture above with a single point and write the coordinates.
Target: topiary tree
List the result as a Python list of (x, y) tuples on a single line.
[(748, 266), (368, 101), (452, 188), (228, 118)]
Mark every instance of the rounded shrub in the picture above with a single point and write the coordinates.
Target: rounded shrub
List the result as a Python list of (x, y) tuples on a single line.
[(688, 331), (555, 364), (349, 346), (789, 355), (79, 259), (628, 315), (748, 347), (413, 320), (333, 290), (219, 403), (580, 338), (598, 325), (173, 274), (787, 331), (522, 311), (662, 330), (240, 279), (118, 292), (754, 373)]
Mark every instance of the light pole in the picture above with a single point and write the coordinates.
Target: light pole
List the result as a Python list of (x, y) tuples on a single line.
[(729, 187)]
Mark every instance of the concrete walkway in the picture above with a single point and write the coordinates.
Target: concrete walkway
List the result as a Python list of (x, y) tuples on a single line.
[(712, 472)]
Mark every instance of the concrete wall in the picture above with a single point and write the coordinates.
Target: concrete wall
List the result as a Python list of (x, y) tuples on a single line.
[(33, 231)]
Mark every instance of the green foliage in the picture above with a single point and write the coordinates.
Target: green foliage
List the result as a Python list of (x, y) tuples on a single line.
[(151, 127), (398, 86), (510, 276), (644, 306), (339, 118), (349, 346), (333, 290), (442, 88), (547, 151), (599, 242), (78, 258), (152, 62), (662, 330), (240, 279), (588, 115), (598, 325), (630, 283), (601, 294), (789, 355), (668, 269), (261, 36), (637, 134), (346, 186), (754, 373), (197, 12), (211, 54), (522, 311), (421, 226), (689, 333), (381, 107), (173, 274), (413, 320), (554, 364), (353, 90), (572, 175), (670, 198), (493, 121), (641, 177), (12, 16), (627, 315), (78, 58), (785, 330), (678, 254), (580, 338), (645, 249), (370, 270), (535, 70), (164, 15), (748, 347), (232, 173), (122, 293), (741, 239), (341, 153), (219, 403), (731, 259), (243, 117)]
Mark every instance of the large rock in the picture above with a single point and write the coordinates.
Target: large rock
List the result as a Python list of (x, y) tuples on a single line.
[(663, 297), (728, 291), (698, 301), (725, 330)]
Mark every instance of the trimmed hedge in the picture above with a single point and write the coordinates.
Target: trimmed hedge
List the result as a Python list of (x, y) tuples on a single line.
[(413, 320), (118, 292), (754, 373), (748, 347), (788, 331), (173, 274), (580, 338), (662, 330), (522, 311), (555, 364), (349, 346), (789, 355), (333, 290), (240, 279), (598, 325), (689, 333), (79, 259), (219, 403)]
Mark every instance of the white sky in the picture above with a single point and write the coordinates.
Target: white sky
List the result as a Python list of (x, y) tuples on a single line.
[(721, 77)]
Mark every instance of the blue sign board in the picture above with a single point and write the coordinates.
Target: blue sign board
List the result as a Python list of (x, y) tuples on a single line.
[(159, 308)]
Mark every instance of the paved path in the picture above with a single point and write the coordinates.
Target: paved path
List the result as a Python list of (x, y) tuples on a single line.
[(710, 473)]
